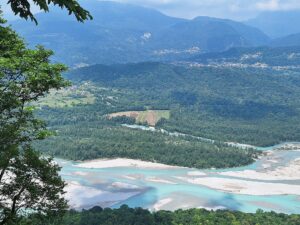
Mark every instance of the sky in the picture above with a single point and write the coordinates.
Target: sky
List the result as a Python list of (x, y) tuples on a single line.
[(231, 9)]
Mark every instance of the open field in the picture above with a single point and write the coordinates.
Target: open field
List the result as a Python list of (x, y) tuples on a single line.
[(68, 97), (151, 117)]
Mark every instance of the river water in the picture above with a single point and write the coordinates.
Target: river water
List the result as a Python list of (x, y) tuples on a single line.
[(162, 188)]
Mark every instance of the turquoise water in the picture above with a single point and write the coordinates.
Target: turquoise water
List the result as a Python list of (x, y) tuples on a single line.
[(135, 187)]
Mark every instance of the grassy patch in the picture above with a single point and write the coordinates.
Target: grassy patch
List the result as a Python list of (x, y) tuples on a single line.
[(151, 117), (68, 97)]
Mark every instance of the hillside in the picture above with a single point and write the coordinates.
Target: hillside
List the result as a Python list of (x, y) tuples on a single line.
[(290, 40), (271, 56), (121, 33), (209, 34)]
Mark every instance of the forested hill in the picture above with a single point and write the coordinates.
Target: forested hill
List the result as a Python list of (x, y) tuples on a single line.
[(272, 56), (121, 33), (292, 40), (250, 105)]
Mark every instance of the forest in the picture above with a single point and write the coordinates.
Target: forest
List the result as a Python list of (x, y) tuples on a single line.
[(257, 106), (138, 216), (85, 132), (244, 105)]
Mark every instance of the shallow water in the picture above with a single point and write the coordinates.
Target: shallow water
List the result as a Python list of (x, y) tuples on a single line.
[(161, 188)]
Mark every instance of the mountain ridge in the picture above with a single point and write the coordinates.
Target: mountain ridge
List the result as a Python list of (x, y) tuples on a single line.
[(122, 33), (289, 40)]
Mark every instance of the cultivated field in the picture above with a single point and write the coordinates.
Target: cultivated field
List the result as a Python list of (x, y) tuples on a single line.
[(151, 117)]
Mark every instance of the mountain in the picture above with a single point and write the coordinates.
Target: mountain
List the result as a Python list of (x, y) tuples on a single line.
[(290, 40), (210, 34), (115, 34), (277, 24), (272, 56), (121, 33)]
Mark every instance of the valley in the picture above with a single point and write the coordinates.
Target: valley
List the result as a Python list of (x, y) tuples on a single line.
[(149, 165), (145, 161), (140, 115)]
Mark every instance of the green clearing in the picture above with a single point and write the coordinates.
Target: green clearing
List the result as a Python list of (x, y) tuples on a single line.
[(150, 117), (68, 97)]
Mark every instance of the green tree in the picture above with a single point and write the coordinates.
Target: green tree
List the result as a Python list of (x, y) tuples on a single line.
[(27, 180), (23, 8)]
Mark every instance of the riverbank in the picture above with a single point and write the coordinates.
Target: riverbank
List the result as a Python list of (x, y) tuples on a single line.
[(122, 162), (271, 183), (290, 171), (244, 187)]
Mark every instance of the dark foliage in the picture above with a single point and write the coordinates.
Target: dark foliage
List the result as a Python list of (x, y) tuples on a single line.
[(129, 216)]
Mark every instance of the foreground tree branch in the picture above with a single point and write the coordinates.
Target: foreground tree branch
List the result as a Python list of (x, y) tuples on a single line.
[(23, 8), (28, 181)]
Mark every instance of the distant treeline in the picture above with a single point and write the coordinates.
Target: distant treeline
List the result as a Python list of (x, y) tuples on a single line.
[(138, 216)]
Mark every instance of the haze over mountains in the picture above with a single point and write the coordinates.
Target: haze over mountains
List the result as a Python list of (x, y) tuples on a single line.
[(277, 24), (122, 33)]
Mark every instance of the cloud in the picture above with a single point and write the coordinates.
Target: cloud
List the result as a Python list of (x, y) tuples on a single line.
[(268, 5)]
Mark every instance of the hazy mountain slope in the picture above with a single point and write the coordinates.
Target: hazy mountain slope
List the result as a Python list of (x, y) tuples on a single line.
[(290, 40), (116, 34), (277, 24), (210, 34), (279, 56), (123, 33)]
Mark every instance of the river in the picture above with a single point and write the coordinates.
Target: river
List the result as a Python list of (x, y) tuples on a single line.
[(245, 189)]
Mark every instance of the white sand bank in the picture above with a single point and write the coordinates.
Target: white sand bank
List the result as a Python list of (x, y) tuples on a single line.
[(159, 180), (122, 185), (158, 206), (288, 172), (81, 192), (245, 187), (121, 162), (81, 196), (196, 173)]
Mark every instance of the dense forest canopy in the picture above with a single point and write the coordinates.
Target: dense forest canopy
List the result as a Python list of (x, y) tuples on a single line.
[(256, 106), (139, 216)]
